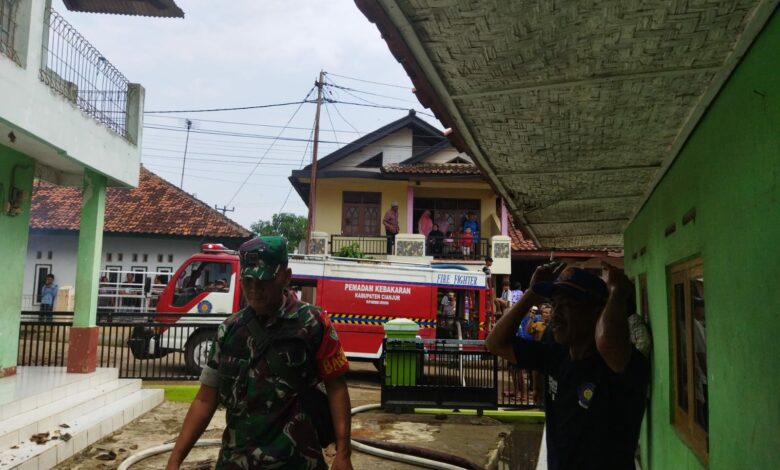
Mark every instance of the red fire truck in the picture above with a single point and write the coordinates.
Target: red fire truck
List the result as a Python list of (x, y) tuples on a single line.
[(358, 295)]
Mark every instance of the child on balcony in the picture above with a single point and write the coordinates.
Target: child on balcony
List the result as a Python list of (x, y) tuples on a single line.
[(466, 241)]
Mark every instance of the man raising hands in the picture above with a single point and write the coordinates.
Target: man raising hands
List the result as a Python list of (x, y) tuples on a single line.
[(596, 380)]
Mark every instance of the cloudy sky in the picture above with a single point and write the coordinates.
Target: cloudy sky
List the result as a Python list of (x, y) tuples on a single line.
[(243, 53)]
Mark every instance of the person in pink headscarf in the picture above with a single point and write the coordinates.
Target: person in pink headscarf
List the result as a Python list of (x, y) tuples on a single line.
[(425, 224)]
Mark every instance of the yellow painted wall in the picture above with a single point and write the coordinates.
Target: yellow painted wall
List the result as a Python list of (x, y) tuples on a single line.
[(330, 196)]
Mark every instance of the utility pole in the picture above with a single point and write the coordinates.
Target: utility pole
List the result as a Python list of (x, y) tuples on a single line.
[(224, 209), (186, 142), (313, 178)]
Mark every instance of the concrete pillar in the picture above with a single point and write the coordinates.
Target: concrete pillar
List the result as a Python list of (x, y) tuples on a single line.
[(504, 219), (135, 113), (16, 171), (82, 348), (410, 209)]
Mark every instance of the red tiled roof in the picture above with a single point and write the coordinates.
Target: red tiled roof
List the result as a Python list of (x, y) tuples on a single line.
[(154, 207), (519, 242), (433, 169)]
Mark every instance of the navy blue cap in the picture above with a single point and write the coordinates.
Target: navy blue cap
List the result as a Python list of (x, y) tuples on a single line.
[(575, 282)]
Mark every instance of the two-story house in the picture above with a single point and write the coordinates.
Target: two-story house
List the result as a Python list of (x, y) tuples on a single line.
[(411, 163)]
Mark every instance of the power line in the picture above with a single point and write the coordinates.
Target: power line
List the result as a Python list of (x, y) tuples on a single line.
[(246, 123), (331, 84), (368, 81), (300, 165), (220, 161), (342, 116), (331, 125), (238, 108), (174, 171), (211, 170), (244, 157), (237, 145), (290, 139), (376, 105), (269, 148)]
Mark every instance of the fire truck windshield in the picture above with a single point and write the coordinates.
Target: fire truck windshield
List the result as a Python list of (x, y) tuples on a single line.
[(200, 276)]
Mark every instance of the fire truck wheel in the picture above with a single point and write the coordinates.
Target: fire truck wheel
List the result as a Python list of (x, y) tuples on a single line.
[(196, 352)]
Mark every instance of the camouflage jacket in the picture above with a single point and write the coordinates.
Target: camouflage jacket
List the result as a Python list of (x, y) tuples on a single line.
[(266, 427)]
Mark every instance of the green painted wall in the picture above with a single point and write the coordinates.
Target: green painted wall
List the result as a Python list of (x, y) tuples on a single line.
[(13, 249), (729, 172)]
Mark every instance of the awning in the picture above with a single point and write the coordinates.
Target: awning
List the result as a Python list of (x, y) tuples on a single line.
[(573, 110), (159, 8)]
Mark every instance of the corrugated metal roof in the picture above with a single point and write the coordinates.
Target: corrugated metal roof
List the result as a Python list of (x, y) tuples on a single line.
[(157, 8)]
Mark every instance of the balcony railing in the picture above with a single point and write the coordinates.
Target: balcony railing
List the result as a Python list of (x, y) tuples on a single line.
[(80, 73), (453, 247), (8, 29), (457, 247), (370, 246)]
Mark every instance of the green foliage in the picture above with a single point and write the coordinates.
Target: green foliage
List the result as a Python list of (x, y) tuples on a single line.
[(351, 251), (291, 226)]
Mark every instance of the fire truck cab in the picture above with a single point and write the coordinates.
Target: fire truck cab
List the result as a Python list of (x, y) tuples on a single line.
[(359, 296)]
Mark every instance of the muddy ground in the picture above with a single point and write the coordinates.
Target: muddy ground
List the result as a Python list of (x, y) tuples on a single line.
[(475, 438)]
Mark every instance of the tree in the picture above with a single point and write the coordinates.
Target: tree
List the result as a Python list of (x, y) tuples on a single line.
[(291, 226)]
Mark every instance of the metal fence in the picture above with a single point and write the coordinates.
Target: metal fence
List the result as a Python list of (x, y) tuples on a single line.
[(450, 374), (79, 72), (8, 29), (366, 245), (144, 346), (429, 373)]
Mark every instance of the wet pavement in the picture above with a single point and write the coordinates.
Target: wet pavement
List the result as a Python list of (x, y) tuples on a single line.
[(482, 440)]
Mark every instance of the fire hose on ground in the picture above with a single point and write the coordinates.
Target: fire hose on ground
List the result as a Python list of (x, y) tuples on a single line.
[(388, 450)]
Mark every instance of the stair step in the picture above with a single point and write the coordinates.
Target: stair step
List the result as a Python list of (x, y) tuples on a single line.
[(48, 417), (33, 387), (84, 430)]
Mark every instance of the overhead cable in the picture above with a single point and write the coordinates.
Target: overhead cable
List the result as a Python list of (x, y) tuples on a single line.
[(237, 108), (331, 84), (269, 148), (252, 124), (277, 138), (367, 81)]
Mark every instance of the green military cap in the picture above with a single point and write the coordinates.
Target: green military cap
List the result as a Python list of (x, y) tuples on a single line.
[(262, 257)]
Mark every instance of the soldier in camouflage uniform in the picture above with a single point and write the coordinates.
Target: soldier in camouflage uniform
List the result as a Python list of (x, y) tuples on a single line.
[(258, 369)]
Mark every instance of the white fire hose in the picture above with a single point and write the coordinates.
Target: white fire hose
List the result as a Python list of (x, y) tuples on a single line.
[(366, 449)]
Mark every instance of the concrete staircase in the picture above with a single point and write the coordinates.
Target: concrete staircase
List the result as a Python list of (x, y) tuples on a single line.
[(86, 407)]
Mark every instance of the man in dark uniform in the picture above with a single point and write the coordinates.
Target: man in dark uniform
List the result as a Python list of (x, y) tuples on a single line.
[(265, 357), (596, 379)]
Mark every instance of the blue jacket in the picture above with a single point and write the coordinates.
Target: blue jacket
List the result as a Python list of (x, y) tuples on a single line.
[(49, 294)]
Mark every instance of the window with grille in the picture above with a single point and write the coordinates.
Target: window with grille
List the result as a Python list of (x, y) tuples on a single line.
[(8, 29), (361, 214), (689, 355)]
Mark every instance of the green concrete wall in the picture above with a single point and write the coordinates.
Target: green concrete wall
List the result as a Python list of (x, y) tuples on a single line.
[(13, 249), (728, 171)]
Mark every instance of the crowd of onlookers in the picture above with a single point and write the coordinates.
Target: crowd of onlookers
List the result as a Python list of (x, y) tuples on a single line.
[(441, 237), (525, 386)]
